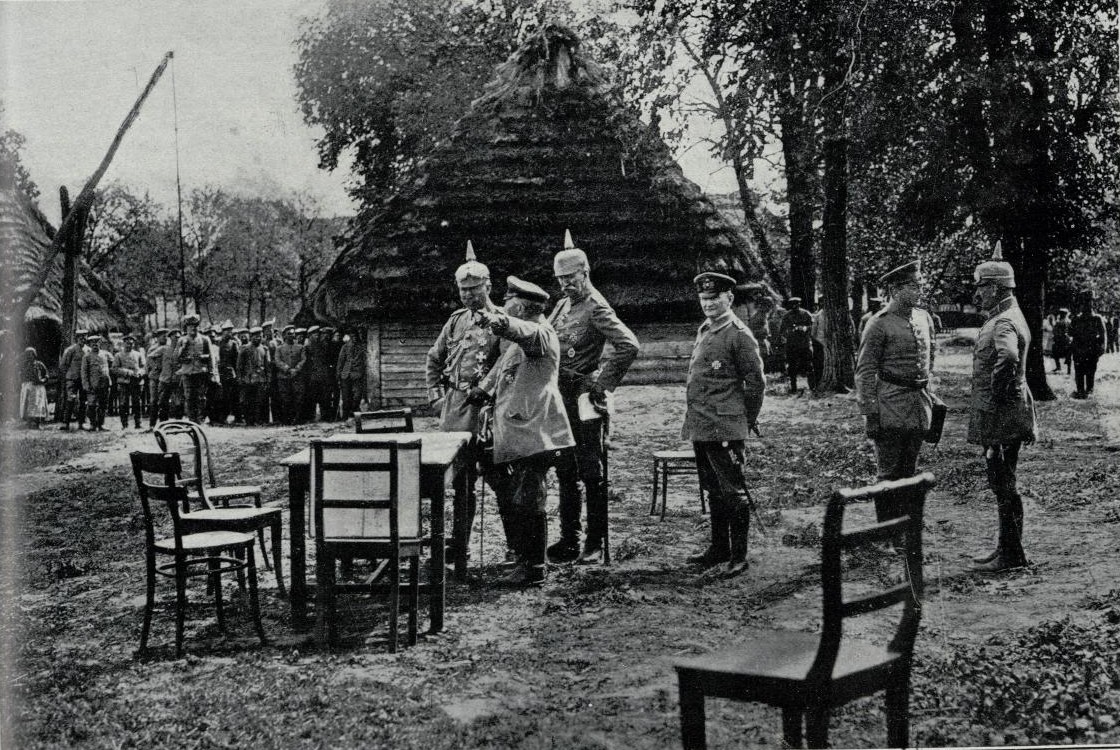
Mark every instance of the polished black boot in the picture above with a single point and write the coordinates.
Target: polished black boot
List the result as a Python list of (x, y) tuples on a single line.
[(596, 526), (1010, 550), (719, 551), (740, 531), (531, 570)]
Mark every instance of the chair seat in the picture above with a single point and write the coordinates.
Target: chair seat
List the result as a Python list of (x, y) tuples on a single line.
[(685, 455), (229, 491), (772, 667), (205, 541), (229, 514)]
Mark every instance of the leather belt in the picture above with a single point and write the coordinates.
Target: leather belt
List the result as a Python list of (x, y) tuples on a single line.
[(916, 385)]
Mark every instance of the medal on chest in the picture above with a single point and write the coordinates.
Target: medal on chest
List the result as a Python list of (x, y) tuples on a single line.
[(716, 365)]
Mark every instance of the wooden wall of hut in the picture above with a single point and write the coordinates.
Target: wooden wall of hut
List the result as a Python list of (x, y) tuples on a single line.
[(396, 355)]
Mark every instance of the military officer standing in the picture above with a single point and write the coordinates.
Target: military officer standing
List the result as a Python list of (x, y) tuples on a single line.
[(228, 393), (1002, 411), (157, 350), (96, 379), (462, 355), (351, 372), (289, 378), (1088, 338), (128, 365), (253, 368), (530, 423), (893, 369), (796, 342), (197, 366), (723, 398), (584, 321), (70, 367)]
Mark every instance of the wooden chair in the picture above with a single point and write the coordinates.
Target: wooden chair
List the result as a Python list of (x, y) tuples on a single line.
[(806, 675), (385, 420), (192, 554), (188, 438), (366, 503), (670, 464)]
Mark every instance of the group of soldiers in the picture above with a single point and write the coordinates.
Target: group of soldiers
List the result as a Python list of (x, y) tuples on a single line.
[(1080, 342), (249, 375)]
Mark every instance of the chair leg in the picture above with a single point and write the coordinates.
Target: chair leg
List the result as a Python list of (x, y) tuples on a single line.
[(413, 599), (254, 599), (898, 713), (277, 556), (323, 593), (664, 488), (149, 605), (653, 500), (180, 604), (394, 600), (692, 715), (791, 727), (816, 727), (215, 579), (260, 535)]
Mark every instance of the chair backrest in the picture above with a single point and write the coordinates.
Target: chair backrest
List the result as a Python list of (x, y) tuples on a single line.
[(156, 476), (365, 490), (189, 440), (385, 420), (908, 495)]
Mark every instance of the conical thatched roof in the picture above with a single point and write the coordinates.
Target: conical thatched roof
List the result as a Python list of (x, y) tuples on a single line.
[(25, 236), (549, 146)]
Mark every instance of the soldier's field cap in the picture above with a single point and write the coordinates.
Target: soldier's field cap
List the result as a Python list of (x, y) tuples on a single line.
[(911, 271), (471, 273), (161, 331), (81, 332), (93, 337), (516, 287), (996, 271), (289, 327), (190, 320), (255, 329), (270, 323), (240, 331), (1063, 310), (174, 332), (569, 260), (793, 301), (711, 282), (327, 329), (228, 325), (299, 331), (312, 329)]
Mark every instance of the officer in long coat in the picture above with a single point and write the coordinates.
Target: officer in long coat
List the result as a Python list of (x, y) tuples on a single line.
[(723, 398), (584, 322), (530, 423), (1002, 413), (1088, 339), (893, 369), (463, 354), (797, 342)]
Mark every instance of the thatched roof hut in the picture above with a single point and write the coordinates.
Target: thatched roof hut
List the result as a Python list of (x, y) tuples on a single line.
[(25, 236), (548, 146)]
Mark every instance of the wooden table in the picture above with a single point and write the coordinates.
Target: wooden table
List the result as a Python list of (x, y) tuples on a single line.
[(442, 457)]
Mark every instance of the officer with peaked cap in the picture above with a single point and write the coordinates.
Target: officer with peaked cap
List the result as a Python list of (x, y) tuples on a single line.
[(462, 355), (1002, 416), (723, 395), (70, 367), (198, 365), (893, 368), (1088, 335), (253, 367), (157, 350), (797, 342), (530, 423), (584, 322)]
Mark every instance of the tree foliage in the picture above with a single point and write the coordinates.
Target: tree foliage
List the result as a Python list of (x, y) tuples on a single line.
[(12, 168)]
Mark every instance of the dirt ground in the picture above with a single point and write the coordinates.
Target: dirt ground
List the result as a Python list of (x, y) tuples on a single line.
[(586, 661)]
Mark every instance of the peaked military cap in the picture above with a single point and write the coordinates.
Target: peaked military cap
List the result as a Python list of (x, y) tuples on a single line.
[(160, 331), (80, 332), (174, 332), (327, 329), (255, 329), (996, 270), (312, 329), (794, 301), (471, 273), (711, 282), (516, 287), (270, 323), (571, 259), (906, 272), (288, 327), (240, 331), (1063, 310), (228, 325), (299, 331)]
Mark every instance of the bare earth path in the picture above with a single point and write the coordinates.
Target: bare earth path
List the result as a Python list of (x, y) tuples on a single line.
[(586, 661)]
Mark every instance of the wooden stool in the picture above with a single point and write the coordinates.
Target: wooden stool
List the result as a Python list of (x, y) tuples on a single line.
[(665, 465)]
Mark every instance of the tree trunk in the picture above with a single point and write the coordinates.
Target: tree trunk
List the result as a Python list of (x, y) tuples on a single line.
[(72, 251), (1030, 291), (839, 365), (758, 231), (799, 192)]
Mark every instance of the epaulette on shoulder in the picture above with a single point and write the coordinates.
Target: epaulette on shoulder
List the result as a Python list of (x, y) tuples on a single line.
[(738, 323)]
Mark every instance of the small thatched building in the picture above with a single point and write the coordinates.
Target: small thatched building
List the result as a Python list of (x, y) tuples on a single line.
[(549, 146), (25, 236)]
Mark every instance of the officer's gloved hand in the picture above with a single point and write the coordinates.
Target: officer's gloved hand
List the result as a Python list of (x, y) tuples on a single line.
[(597, 394), (872, 426), (477, 396)]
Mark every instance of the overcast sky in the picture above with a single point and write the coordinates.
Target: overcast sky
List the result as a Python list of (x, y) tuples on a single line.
[(71, 71)]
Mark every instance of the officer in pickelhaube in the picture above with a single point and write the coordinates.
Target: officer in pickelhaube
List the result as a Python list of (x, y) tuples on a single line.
[(1002, 413), (460, 358), (893, 369), (584, 321), (723, 398)]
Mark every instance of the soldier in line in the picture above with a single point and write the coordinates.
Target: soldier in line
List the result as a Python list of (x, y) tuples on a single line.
[(584, 321), (128, 364), (253, 367), (70, 368), (157, 350), (796, 342), (198, 366), (313, 374), (874, 305), (270, 408), (1002, 414), (530, 423), (351, 372), (288, 370), (96, 379), (462, 355), (333, 339), (723, 398), (896, 356), (1088, 336), (227, 392)]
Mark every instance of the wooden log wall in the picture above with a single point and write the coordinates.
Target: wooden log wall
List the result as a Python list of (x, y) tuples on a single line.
[(397, 354)]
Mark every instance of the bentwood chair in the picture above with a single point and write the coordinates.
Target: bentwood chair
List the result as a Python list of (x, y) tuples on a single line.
[(188, 439), (366, 503), (207, 553), (806, 674), (382, 421)]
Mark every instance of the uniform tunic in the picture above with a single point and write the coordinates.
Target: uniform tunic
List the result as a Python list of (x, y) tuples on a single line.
[(582, 328), (461, 357), (1002, 407), (896, 347), (725, 382)]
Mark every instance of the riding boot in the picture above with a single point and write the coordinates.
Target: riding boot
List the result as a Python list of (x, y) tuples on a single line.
[(1010, 551), (740, 526), (719, 551), (530, 571), (596, 525)]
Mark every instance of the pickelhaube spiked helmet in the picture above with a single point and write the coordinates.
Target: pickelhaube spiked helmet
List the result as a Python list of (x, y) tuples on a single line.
[(570, 259), (471, 273), (997, 270)]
